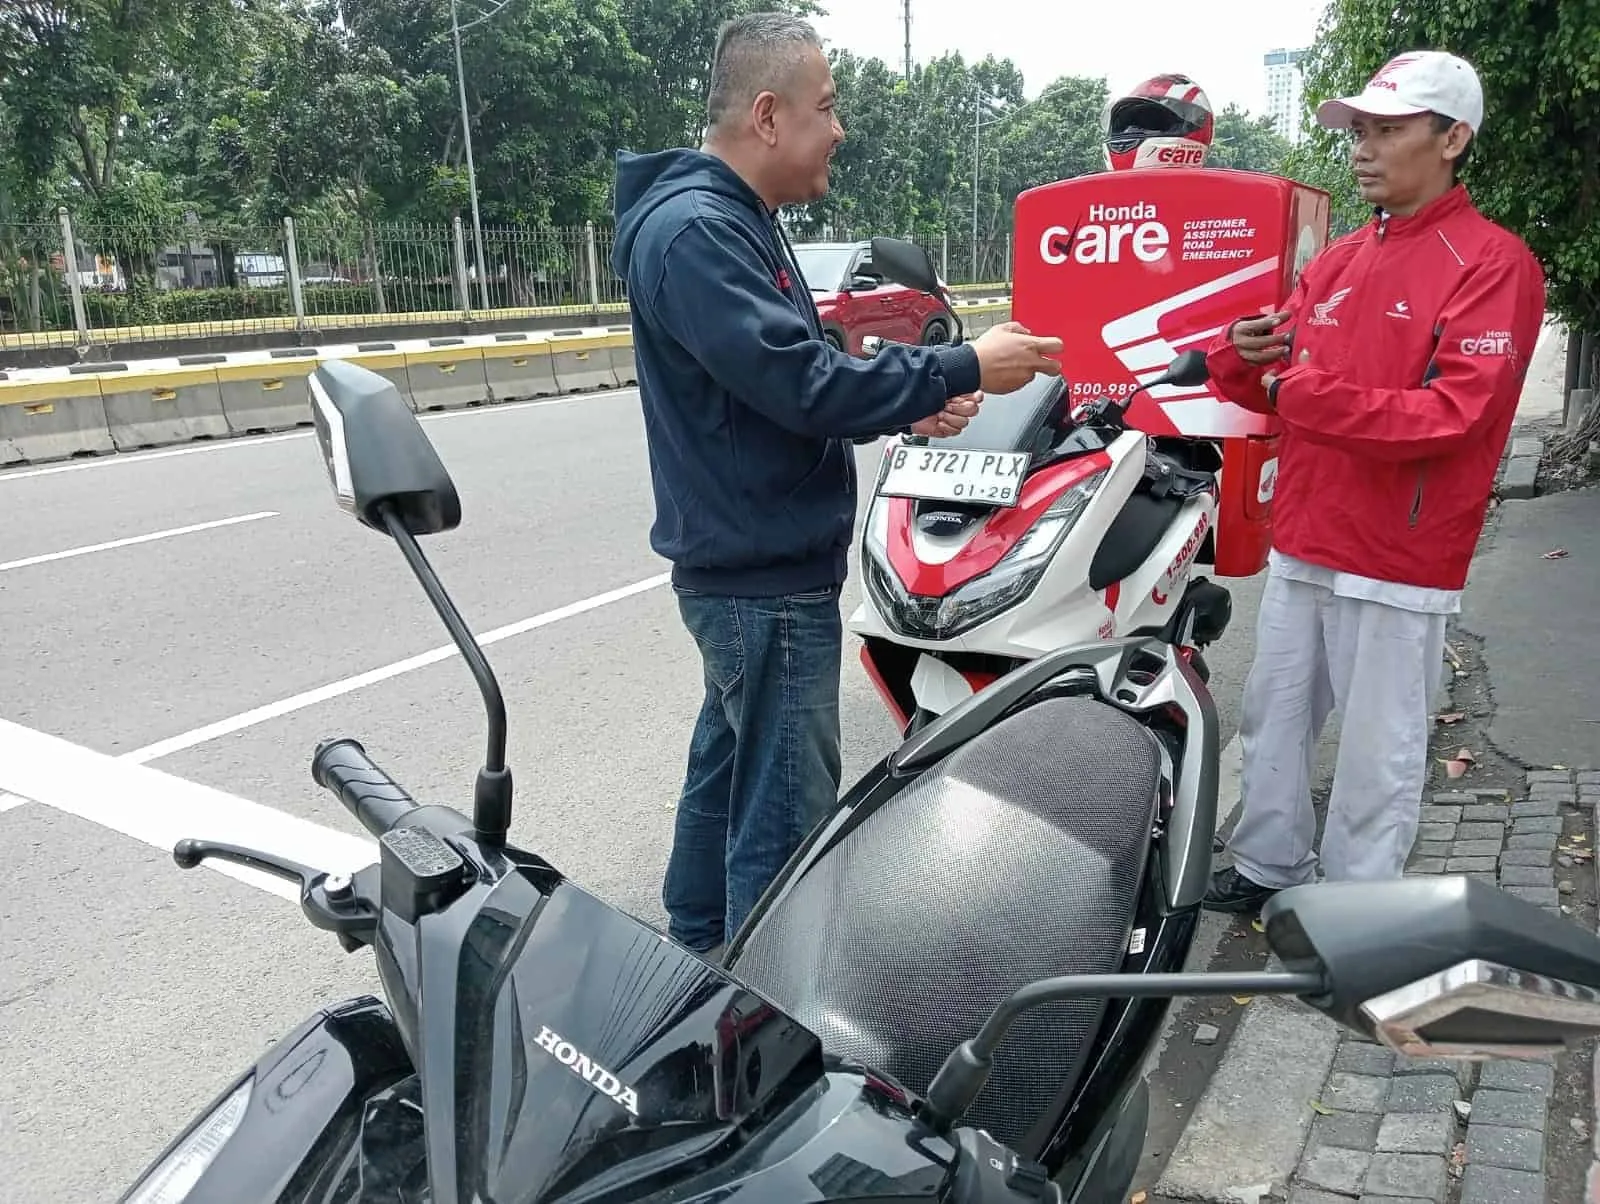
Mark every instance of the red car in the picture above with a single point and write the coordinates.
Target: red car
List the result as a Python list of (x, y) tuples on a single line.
[(856, 301)]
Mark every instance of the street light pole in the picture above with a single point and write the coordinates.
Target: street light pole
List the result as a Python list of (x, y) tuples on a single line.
[(472, 175), (977, 113)]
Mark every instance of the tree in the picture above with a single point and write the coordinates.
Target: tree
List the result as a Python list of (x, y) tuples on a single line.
[(674, 40), (1535, 166), (1247, 143), (76, 74)]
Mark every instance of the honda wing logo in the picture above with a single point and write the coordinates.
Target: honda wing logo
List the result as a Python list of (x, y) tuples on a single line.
[(587, 1069), (1322, 312), (1382, 80)]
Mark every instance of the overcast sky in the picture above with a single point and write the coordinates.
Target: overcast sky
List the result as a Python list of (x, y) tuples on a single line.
[(1218, 43)]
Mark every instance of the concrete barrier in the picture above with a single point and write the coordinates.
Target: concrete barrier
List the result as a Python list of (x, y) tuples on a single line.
[(53, 420), (583, 360), (389, 362), (622, 362), (157, 407), (92, 409), (267, 396), (447, 375), (978, 319), (519, 367)]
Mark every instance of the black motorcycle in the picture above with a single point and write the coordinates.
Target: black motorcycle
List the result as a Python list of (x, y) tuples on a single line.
[(946, 997)]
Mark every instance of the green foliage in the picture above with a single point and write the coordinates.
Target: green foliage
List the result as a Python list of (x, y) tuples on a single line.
[(1535, 166), (166, 123), (1247, 143), (189, 306)]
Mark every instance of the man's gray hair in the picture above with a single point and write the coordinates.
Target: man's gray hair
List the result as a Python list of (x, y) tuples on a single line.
[(755, 54)]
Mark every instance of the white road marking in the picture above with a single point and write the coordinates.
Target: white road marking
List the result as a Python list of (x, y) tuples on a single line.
[(161, 809), (275, 710), (113, 461), (137, 539), (10, 801)]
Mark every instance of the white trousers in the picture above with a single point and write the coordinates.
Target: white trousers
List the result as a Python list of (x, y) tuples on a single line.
[(1381, 667)]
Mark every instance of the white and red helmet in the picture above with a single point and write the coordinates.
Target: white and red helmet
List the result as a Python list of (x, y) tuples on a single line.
[(1164, 122)]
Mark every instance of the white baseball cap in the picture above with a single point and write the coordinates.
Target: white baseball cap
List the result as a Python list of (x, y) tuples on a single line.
[(1422, 81)]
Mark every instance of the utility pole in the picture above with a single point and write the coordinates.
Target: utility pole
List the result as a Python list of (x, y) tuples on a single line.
[(908, 42), (472, 175), (977, 114)]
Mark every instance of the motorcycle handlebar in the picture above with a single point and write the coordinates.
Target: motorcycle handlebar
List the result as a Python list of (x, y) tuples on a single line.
[(343, 767)]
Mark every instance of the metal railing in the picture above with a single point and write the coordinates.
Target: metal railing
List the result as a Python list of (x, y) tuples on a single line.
[(70, 283)]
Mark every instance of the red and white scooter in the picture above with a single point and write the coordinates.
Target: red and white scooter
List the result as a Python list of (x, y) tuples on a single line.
[(1045, 523)]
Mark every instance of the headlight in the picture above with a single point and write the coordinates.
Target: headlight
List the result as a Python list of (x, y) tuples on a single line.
[(1007, 583), (172, 1179)]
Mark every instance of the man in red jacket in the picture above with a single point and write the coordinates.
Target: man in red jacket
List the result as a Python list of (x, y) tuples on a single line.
[(1395, 370)]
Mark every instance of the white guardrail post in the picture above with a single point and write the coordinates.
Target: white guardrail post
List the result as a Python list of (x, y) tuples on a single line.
[(291, 261), (69, 244)]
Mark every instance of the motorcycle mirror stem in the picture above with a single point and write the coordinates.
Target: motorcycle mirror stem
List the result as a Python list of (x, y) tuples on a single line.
[(1188, 369), (491, 794), (962, 1077)]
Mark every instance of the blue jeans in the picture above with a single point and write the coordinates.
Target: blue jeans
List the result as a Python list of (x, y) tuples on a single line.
[(764, 762)]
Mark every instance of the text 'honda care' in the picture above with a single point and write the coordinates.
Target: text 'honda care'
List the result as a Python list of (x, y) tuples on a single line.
[(1111, 230)]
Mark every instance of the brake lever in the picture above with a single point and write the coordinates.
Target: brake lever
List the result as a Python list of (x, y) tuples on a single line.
[(336, 903), (189, 853)]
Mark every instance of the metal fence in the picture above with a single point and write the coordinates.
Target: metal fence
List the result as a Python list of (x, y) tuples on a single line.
[(68, 282)]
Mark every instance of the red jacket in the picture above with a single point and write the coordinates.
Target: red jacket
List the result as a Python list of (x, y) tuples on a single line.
[(1420, 330)]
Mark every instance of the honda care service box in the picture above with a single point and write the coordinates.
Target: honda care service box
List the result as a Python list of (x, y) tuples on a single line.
[(1131, 268)]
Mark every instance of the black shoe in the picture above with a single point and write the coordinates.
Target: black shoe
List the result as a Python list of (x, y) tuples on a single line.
[(1232, 891)]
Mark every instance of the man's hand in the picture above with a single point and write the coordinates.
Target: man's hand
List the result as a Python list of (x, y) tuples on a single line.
[(951, 420), (1009, 357), (1271, 378), (1259, 341)]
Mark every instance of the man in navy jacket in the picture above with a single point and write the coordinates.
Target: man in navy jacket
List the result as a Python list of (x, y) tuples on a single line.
[(749, 415)]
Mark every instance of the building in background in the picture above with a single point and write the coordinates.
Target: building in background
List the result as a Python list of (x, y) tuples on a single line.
[(1285, 88)]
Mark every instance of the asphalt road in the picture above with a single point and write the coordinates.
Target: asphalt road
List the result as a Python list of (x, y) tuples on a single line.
[(130, 991)]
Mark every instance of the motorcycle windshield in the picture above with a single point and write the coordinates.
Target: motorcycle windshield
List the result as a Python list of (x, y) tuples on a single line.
[(1016, 421), (593, 1055)]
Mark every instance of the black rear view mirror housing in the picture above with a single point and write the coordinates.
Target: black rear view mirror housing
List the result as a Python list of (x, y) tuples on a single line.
[(1475, 972), (376, 452), (907, 264), (1188, 369)]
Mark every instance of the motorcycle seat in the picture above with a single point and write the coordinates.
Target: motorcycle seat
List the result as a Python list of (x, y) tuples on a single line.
[(1021, 856)]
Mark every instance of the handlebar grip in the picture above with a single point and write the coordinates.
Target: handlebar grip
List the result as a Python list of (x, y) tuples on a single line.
[(343, 767)]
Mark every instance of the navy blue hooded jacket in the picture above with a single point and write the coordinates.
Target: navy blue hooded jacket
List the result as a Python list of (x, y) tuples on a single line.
[(748, 412)]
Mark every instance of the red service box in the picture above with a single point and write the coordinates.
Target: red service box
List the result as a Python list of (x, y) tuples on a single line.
[(1131, 268)]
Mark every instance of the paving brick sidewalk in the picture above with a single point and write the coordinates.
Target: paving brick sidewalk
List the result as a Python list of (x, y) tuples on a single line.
[(1394, 1130)]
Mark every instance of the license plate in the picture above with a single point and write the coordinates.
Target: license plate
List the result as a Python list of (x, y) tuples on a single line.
[(953, 475)]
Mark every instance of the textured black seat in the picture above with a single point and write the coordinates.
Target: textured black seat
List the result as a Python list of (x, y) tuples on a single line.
[(1019, 858)]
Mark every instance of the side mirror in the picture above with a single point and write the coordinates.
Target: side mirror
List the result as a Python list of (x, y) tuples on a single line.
[(905, 263), (1464, 970), (1189, 369), (375, 452), (863, 284)]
